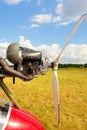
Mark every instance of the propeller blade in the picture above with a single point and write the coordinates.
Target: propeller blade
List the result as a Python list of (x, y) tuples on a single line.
[(71, 35), (56, 94), (55, 67)]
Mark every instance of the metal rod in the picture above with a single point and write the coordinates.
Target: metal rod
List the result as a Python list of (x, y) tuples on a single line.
[(8, 93)]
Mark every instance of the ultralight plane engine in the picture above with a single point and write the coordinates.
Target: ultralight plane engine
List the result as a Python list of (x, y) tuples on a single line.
[(25, 60)]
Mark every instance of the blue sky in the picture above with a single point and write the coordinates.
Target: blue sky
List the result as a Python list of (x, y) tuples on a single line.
[(44, 25)]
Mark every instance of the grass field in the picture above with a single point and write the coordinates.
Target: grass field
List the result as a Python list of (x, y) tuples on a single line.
[(36, 97)]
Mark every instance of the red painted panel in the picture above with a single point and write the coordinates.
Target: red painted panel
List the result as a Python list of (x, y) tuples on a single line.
[(22, 120)]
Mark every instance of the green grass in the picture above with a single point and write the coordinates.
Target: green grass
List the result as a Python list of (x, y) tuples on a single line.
[(36, 97)]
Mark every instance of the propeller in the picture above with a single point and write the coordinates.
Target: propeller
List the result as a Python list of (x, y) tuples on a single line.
[(55, 84)]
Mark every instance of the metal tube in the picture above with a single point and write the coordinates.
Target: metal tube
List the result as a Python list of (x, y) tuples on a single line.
[(8, 93)]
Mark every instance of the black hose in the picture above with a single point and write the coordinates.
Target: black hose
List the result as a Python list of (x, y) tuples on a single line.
[(12, 72)]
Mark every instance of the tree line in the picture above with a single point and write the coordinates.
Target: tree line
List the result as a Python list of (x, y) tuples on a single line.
[(72, 65)]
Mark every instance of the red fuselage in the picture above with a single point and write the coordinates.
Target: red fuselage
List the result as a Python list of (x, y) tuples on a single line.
[(22, 120), (13, 118)]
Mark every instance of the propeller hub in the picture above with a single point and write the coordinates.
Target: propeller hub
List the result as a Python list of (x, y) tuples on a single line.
[(55, 66)]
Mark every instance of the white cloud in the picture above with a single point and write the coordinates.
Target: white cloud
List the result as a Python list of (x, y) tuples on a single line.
[(25, 43), (11, 2), (59, 8), (42, 18), (33, 26), (63, 23), (3, 47), (45, 18), (56, 19), (75, 53), (72, 54), (50, 50), (71, 9), (29, 27)]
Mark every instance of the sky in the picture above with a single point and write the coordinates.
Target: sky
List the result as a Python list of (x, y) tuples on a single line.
[(44, 25)]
